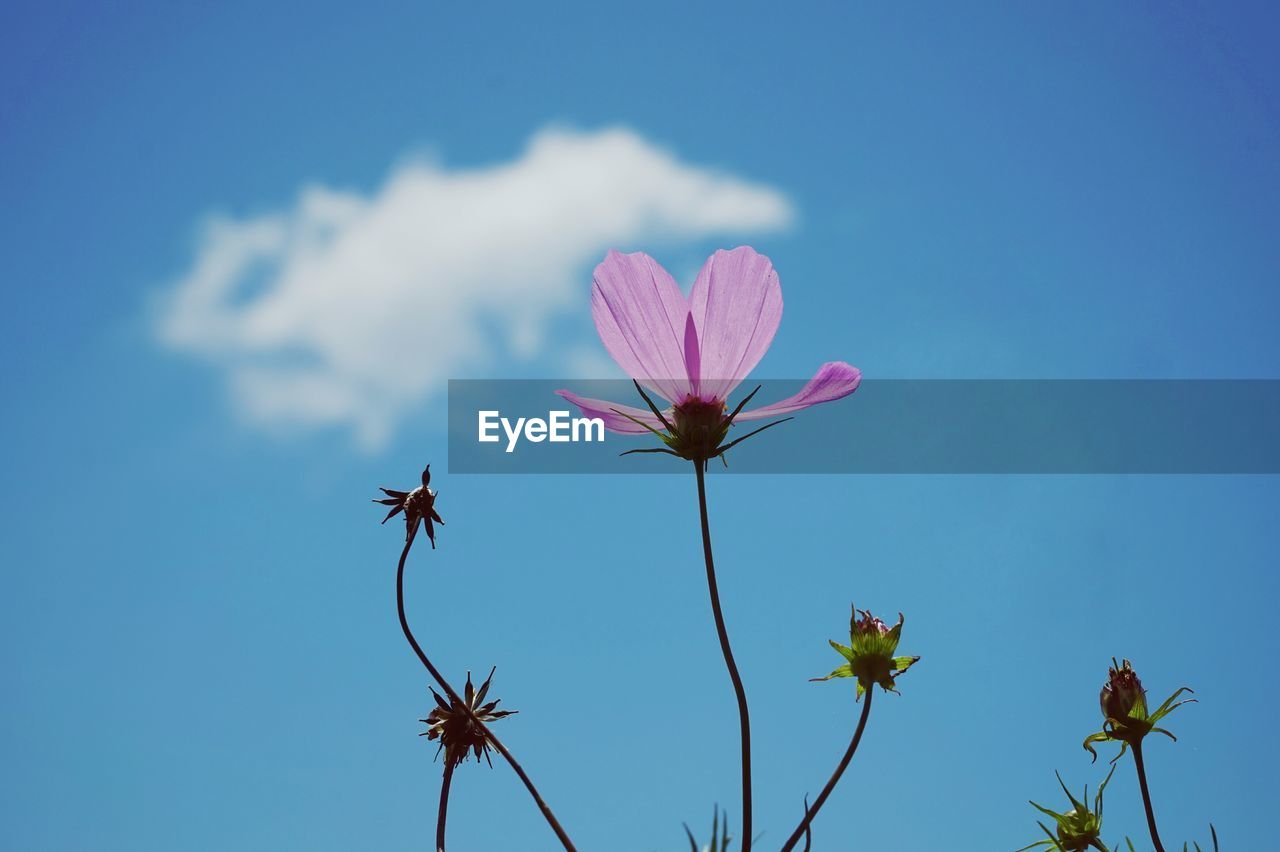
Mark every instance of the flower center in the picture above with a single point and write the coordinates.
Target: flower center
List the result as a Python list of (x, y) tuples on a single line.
[(701, 426)]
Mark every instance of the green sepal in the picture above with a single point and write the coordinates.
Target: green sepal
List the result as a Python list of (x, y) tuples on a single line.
[(1168, 706), (842, 671), (845, 652), (901, 664)]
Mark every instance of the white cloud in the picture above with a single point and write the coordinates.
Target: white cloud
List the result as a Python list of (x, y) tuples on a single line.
[(349, 309)]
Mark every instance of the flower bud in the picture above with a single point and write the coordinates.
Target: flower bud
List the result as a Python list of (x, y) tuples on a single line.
[(1078, 829), (1126, 717), (1122, 692), (870, 653)]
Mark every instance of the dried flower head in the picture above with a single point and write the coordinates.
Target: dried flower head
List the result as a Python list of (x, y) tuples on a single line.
[(1124, 709), (870, 654), (418, 505), (1078, 829), (453, 724)]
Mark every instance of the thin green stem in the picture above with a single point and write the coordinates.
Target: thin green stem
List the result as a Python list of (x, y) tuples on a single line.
[(744, 719), (443, 814), (803, 828), (458, 702), (1146, 795)]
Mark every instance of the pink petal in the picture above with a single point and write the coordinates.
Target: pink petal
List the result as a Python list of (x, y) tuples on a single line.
[(737, 305), (834, 380), (609, 413), (640, 316), (692, 357)]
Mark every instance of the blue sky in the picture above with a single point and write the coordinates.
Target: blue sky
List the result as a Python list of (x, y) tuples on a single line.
[(199, 637)]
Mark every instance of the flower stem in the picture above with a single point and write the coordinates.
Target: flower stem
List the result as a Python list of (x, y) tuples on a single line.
[(457, 701), (810, 813), (744, 719), (444, 803), (1146, 795)]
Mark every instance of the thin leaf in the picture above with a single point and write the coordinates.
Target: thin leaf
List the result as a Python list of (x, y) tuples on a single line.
[(654, 409), (741, 405), (640, 422), (729, 446)]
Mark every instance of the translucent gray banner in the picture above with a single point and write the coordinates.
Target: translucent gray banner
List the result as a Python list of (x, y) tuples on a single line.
[(899, 426)]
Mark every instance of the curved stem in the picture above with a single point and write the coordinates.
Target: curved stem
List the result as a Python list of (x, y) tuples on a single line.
[(453, 697), (1146, 795), (744, 720), (444, 803), (803, 828)]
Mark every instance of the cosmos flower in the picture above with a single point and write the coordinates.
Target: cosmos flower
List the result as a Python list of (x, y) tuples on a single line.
[(870, 653), (452, 725), (1124, 709), (693, 352), (418, 505)]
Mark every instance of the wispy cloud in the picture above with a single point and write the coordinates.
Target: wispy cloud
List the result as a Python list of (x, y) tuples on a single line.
[(349, 309)]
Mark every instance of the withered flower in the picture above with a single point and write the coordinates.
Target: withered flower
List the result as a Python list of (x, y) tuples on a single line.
[(418, 505), (453, 726)]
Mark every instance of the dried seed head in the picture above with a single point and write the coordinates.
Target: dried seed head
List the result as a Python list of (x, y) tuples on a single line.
[(454, 725), (418, 505)]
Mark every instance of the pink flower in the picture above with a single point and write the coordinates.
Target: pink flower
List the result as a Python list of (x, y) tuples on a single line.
[(694, 351)]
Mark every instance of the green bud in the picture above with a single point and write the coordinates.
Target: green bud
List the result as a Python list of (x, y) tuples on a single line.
[(870, 653), (1078, 829), (1122, 692), (1124, 710)]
